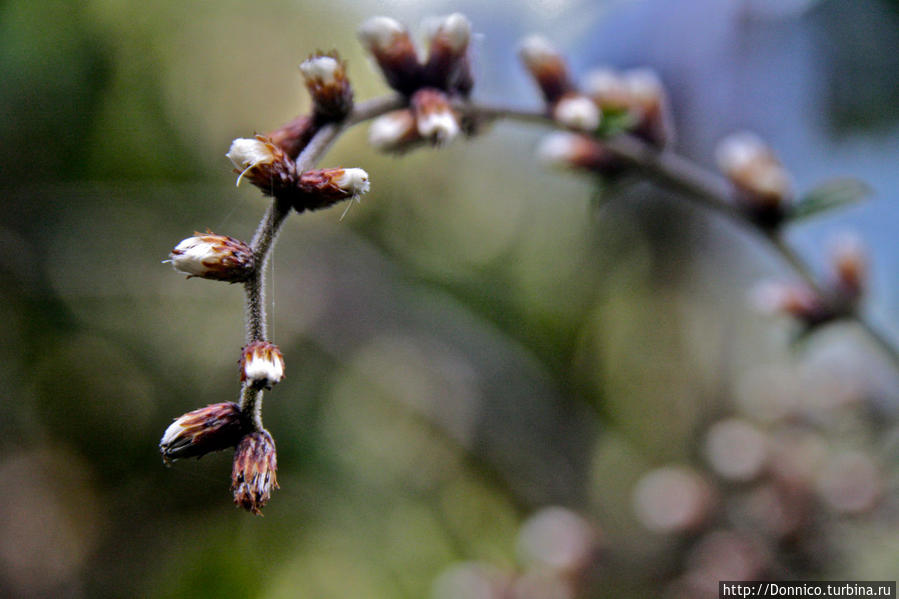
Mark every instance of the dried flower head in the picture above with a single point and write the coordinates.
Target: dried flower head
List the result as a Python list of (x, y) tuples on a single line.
[(763, 186), (434, 116), (261, 364), (213, 428), (254, 472), (448, 66), (325, 76), (262, 162), (212, 256), (394, 132), (390, 44), (576, 111), (546, 66)]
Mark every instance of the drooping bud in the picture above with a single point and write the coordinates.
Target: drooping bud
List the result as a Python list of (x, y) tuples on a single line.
[(325, 187), (263, 163), (213, 428), (212, 256), (254, 472), (763, 186), (794, 299), (573, 150), (326, 80), (390, 44), (576, 111), (434, 116), (294, 136), (448, 66), (648, 104), (546, 66), (261, 365), (394, 132), (850, 267)]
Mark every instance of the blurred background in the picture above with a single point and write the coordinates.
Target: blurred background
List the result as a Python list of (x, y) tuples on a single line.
[(497, 384)]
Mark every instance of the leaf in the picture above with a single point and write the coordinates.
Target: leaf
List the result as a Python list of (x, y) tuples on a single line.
[(830, 195), (614, 122)]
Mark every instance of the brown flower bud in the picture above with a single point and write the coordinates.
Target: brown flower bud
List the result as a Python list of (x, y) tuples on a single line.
[(448, 66), (263, 163), (213, 428), (261, 364), (648, 105), (850, 267), (254, 472), (434, 116), (547, 67), (294, 136), (794, 299), (212, 256), (763, 186), (325, 187), (390, 44), (573, 150), (325, 76)]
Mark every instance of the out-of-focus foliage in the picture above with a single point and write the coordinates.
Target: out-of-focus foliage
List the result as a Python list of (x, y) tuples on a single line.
[(470, 344)]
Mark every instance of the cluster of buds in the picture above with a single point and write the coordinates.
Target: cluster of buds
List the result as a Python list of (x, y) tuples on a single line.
[(840, 295), (763, 188), (638, 96), (228, 425), (430, 86), (577, 151), (268, 167)]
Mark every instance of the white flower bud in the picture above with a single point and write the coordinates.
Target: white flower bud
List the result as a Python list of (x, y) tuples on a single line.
[(454, 30), (321, 69), (354, 181), (393, 132), (737, 151), (434, 116), (535, 50), (379, 33), (212, 256), (763, 184), (577, 112), (261, 364), (546, 66), (644, 87), (574, 150), (607, 88), (212, 428), (246, 154)]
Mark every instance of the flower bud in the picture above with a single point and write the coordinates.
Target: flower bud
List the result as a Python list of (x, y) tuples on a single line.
[(763, 186), (390, 44), (261, 365), (607, 88), (212, 256), (794, 299), (648, 105), (448, 66), (325, 77), (394, 132), (850, 267), (294, 136), (213, 428), (263, 163), (325, 187), (546, 66), (434, 116), (573, 150), (254, 472), (576, 111)]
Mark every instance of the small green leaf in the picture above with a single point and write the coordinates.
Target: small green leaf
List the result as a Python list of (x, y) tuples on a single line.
[(614, 122), (830, 195)]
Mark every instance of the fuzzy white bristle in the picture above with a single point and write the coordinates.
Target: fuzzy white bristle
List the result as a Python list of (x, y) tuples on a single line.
[(390, 129), (320, 69), (378, 33), (354, 180), (440, 127), (577, 112)]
